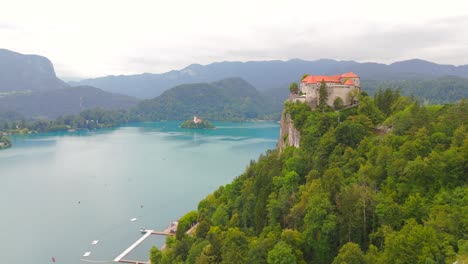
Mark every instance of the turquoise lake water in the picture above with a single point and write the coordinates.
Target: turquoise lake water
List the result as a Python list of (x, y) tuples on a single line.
[(61, 191)]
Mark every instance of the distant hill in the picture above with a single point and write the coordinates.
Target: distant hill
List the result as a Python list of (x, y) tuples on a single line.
[(67, 101), (266, 75), (19, 72), (441, 90), (30, 88), (228, 99)]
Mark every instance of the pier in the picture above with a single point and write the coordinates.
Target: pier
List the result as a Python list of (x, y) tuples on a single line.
[(133, 261), (147, 233), (123, 254)]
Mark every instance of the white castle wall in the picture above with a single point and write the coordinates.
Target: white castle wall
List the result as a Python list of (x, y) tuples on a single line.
[(334, 90)]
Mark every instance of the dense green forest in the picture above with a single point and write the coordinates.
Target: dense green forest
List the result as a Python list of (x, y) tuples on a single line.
[(229, 99), (441, 90), (88, 119), (384, 182)]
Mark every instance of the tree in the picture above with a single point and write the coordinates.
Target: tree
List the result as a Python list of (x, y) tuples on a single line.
[(350, 253), (196, 251), (259, 248), (323, 95), (304, 76), (349, 208), (338, 103), (281, 254), (216, 238), (353, 94), (185, 222), (235, 247), (202, 228), (414, 243), (220, 216), (384, 99), (155, 255), (293, 88), (369, 109), (350, 133), (320, 228)]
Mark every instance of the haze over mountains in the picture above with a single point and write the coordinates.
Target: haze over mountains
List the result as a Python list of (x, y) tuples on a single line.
[(67, 101), (266, 75), (19, 72), (29, 87)]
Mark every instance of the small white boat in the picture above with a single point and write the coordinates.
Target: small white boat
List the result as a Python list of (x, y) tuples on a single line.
[(86, 254), (94, 242), (133, 219)]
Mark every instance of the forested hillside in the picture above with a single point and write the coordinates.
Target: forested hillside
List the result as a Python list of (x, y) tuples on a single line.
[(89, 119), (384, 182), (227, 99), (66, 101), (447, 89)]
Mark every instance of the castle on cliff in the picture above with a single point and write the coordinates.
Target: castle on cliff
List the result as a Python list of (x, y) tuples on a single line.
[(337, 86)]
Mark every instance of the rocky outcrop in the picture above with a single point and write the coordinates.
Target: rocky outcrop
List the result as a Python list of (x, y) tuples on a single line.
[(289, 135)]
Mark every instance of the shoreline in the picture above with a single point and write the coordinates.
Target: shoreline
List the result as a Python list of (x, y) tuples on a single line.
[(130, 124)]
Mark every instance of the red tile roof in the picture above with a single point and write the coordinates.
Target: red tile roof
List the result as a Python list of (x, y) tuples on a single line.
[(349, 75), (349, 82), (317, 79), (311, 79)]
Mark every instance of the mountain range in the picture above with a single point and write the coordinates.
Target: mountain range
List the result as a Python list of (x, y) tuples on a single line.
[(29, 87), (67, 101), (265, 75)]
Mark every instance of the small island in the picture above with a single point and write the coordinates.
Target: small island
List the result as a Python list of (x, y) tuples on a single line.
[(4, 142), (196, 123)]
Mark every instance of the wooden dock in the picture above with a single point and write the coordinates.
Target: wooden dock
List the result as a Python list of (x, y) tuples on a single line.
[(134, 245), (133, 261), (147, 233)]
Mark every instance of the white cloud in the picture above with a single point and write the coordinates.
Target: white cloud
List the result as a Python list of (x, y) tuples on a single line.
[(91, 38)]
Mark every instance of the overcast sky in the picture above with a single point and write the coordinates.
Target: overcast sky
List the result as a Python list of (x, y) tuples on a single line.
[(90, 38)]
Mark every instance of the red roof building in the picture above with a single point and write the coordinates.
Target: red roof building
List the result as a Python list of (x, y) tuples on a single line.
[(349, 82), (337, 86), (339, 79)]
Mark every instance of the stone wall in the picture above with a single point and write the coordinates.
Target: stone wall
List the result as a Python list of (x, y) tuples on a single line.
[(334, 91), (340, 91)]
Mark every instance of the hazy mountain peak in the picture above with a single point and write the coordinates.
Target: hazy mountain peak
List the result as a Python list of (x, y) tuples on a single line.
[(19, 72), (265, 75)]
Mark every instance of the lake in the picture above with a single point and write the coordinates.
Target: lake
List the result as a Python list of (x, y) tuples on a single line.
[(61, 191)]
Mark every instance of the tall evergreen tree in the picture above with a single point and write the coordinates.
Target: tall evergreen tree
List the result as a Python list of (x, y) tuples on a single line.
[(323, 95)]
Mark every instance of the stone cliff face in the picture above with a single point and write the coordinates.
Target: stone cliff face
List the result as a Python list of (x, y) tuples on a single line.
[(289, 135)]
